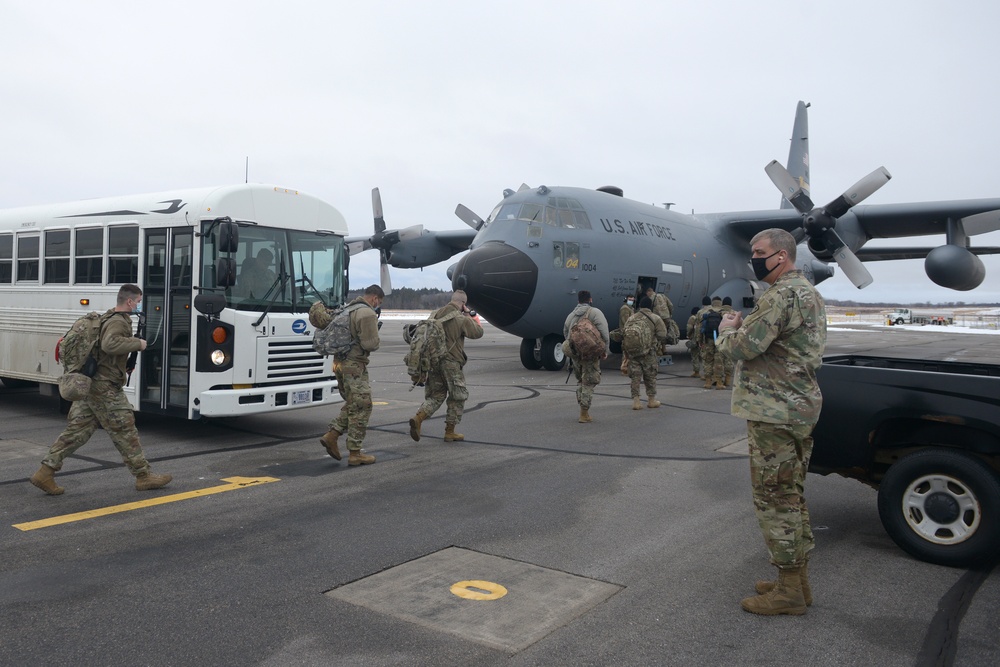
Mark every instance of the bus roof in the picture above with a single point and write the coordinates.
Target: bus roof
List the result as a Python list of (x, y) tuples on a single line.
[(266, 205)]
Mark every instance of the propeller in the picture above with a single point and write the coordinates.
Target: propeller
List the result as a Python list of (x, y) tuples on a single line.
[(468, 216), (383, 240), (819, 222)]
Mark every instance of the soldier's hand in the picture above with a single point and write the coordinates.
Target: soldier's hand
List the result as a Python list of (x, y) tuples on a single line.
[(731, 320), (142, 344)]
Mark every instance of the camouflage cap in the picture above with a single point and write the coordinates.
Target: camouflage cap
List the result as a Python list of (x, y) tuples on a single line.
[(74, 386)]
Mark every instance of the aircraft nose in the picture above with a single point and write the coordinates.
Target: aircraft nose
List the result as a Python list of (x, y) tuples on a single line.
[(499, 280)]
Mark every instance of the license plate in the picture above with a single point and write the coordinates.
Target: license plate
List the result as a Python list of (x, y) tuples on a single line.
[(302, 396)]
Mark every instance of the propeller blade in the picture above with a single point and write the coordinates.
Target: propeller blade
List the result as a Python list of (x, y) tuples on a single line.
[(384, 270), (858, 192), (468, 216), (355, 247), (981, 223), (377, 210), (847, 260), (410, 233), (789, 187)]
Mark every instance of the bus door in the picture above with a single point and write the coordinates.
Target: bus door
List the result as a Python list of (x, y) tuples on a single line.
[(166, 301)]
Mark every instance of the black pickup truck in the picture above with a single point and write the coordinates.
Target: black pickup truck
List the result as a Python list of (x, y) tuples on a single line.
[(926, 434)]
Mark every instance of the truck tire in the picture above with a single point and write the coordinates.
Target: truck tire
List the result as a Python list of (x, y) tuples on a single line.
[(943, 507), (899, 320)]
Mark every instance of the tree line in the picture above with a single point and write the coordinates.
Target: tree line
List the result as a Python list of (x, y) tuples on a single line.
[(406, 298)]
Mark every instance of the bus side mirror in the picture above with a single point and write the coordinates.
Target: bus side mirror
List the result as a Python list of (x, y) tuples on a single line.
[(225, 272), (229, 236), (209, 304)]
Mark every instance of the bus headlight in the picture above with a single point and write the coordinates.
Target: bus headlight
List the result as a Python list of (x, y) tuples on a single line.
[(216, 346), (218, 357)]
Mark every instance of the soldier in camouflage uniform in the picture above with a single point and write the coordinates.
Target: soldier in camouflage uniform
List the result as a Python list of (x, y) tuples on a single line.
[(642, 369), (587, 372), (664, 308), (713, 370), (448, 380), (727, 361), (626, 311), (106, 403), (778, 349), (692, 343), (352, 380)]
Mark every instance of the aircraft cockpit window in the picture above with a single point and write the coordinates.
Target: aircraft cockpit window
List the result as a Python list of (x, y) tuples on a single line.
[(508, 212), (566, 212), (531, 213), (580, 220)]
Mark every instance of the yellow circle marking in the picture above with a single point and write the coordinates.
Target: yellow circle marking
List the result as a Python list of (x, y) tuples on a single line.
[(478, 590)]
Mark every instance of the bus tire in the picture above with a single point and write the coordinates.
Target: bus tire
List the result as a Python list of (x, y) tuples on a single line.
[(943, 507)]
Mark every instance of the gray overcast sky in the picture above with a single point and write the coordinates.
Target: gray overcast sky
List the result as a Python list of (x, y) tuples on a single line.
[(438, 103)]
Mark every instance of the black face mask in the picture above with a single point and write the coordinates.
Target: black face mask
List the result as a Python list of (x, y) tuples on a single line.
[(759, 265)]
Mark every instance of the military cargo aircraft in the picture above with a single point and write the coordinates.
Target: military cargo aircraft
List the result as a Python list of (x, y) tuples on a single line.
[(540, 246)]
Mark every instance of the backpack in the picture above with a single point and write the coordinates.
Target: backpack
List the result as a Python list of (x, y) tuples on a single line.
[(710, 322), (673, 331), (335, 338), (428, 345), (585, 339), (77, 356), (637, 337)]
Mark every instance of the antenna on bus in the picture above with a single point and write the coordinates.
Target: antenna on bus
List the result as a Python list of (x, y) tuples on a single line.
[(246, 172)]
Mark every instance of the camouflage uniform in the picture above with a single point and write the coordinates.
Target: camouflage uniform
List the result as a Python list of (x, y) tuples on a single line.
[(664, 308), (727, 361), (352, 376), (587, 373), (778, 348), (712, 368), (106, 404), (693, 346), (625, 312), (448, 381), (642, 369)]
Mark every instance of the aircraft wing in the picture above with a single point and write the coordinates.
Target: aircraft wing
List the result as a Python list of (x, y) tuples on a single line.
[(885, 254), (459, 239)]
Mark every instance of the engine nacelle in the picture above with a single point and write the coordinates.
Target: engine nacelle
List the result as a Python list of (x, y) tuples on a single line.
[(954, 267)]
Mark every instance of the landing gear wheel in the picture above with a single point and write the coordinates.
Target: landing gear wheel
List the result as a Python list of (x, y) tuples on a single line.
[(552, 354), (941, 506), (528, 358)]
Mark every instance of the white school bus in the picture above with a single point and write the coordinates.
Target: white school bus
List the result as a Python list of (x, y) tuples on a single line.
[(217, 346)]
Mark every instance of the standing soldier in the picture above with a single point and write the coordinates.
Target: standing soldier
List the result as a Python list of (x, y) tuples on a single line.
[(779, 346), (727, 361), (587, 371), (664, 308), (352, 379), (692, 343), (106, 403), (625, 312), (448, 381), (712, 367), (647, 328)]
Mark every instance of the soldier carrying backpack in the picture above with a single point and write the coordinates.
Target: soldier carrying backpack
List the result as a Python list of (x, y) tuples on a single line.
[(438, 364), (642, 339), (104, 403), (585, 352)]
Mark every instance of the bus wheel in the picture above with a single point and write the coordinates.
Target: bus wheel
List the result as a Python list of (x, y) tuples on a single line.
[(941, 506)]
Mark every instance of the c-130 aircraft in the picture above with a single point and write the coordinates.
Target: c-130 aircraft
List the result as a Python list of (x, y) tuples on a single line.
[(540, 246)]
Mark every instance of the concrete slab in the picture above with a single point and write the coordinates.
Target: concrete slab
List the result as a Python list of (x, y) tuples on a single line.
[(502, 603)]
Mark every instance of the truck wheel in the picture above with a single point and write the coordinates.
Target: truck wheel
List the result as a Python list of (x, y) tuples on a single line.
[(899, 320), (943, 507), (553, 357), (528, 358)]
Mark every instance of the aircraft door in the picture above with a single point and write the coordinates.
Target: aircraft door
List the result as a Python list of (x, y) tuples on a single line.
[(695, 282), (167, 303)]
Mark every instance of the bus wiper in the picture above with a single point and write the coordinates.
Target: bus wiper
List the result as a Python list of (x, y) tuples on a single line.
[(305, 279), (282, 278)]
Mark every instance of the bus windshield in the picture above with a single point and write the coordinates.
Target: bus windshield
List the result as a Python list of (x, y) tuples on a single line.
[(278, 270)]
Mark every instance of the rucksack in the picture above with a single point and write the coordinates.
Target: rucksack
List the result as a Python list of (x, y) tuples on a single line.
[(586, 340), (76, 346), (710, 322), (335, 338), (428, 345), (673, 331), (637, 337)]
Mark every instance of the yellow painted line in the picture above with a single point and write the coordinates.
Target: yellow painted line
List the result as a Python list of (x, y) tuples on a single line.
[(380, 402), (234, 483), (477, 589)]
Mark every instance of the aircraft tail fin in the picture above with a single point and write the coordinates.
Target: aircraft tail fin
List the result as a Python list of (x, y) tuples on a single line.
[(798, 152)]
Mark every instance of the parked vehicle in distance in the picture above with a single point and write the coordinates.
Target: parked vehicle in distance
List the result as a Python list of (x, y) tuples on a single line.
[(926, 434)]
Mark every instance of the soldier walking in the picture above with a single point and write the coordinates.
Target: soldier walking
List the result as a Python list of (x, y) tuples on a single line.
[(587, 371), (626, 311), (713, 371), (646, 326), (692, 343)]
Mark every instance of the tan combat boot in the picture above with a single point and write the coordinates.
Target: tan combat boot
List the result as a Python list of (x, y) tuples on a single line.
[(729, 380), (767, 586), (695, 374), (329, 442), (585, 416), (651, 402), (415, 423), (450, 435), (44, 479), (785, 597), (147, 481), (719, 384), (708, 383), (356, 458), (636, 403)]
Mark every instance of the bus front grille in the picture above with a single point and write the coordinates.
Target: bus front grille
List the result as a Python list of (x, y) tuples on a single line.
[(294, 360)]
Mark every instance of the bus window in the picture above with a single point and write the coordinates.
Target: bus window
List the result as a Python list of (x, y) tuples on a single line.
[(57, 256), (27, 257), (89, 256), (318, 268), (6, 258), (123, 254)]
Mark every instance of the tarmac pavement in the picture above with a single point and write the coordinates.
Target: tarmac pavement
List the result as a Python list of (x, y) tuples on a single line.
[(537, 541)]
